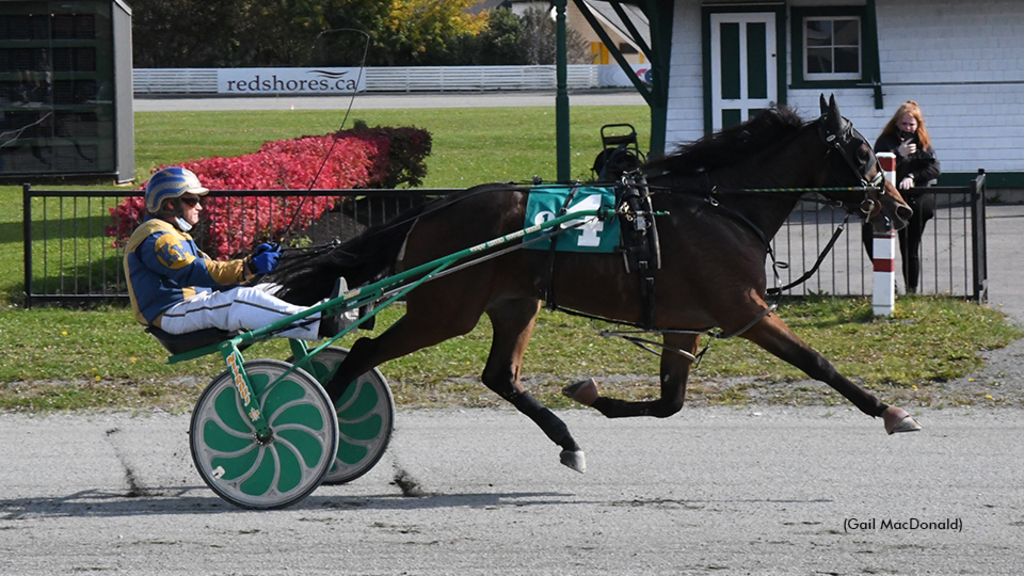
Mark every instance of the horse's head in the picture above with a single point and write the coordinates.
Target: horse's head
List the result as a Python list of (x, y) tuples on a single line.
[(850, 162)]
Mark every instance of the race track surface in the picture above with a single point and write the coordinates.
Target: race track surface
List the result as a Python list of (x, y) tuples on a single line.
[(711, 490)]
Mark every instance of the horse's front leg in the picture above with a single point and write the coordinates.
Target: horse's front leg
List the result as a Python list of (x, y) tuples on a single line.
[(675, 370), (772, 334), (513, 322)]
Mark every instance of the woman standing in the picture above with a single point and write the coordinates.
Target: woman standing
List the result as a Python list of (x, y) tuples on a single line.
[(916, 168)]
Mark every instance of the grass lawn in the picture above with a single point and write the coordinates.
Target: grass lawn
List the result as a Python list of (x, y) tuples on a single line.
[(53, 358), (471, 145)]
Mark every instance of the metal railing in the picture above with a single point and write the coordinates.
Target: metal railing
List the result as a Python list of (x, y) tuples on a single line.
[(73, 255), (70, 256), (952, 254)]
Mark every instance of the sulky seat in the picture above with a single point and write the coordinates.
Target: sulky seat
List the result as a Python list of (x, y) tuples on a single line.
[(181, 343)]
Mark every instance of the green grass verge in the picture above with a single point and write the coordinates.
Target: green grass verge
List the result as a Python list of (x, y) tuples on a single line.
[(55, 359), (52, 359)]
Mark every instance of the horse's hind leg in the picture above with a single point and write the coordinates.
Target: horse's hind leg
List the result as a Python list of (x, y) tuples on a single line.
[(513, 322), (675, 370), (772, 334), (414, 331)]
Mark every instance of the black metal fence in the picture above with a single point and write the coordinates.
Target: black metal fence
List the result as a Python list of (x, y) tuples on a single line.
[(952, 252), (74, 256), (74, 248)]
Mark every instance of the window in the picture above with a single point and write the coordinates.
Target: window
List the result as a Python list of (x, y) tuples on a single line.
[(832, 48)]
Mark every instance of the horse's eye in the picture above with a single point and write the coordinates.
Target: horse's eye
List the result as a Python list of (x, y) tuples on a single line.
[(863, 155)]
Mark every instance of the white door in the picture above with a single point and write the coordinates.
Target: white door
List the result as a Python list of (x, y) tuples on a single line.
[(743, 66)]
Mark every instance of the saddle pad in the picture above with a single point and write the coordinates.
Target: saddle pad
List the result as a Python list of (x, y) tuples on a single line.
[(600, 236)]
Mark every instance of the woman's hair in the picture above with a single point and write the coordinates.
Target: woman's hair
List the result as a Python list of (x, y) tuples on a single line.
[(909, 107)]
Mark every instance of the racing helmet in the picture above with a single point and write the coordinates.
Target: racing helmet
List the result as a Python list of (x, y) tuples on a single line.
[(171, 183)]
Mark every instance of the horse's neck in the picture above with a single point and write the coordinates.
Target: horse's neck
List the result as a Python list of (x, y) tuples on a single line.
[(767, 211), (789, 167)]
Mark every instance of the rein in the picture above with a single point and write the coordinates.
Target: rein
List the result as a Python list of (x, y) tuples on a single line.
[(817, 264)]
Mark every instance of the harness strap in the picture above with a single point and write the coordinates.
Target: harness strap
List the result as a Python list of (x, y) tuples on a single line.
[(777, 291), (817, 264), (641, 248), (836, 141), (651, 345), (549, 281)]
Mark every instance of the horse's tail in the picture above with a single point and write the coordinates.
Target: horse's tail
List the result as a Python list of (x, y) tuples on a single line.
[(307, 279)]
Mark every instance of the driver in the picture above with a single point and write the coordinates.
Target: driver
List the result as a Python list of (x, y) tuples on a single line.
[(176, 287)]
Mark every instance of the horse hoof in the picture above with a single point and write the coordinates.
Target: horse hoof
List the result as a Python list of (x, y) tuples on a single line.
[(898, 420), (574, 459), (584, 392)]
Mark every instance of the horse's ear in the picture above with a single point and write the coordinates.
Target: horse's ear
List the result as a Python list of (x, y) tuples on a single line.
[(833, 107), (831, 120)]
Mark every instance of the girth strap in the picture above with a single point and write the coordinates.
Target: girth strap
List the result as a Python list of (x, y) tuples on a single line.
[(549, 282), (640, 249)]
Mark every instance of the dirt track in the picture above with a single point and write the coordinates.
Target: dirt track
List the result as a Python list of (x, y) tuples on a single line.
[(763, 491)]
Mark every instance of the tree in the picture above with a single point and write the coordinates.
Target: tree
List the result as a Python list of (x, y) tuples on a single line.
[(502, 41), (349, 26), (540, 43), (277, 32), (509, 39), (184, 33), (239, 33), (420, 32), (243, 33)]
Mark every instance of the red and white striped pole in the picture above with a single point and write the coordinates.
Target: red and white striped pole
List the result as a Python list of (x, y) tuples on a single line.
[(883, 302)]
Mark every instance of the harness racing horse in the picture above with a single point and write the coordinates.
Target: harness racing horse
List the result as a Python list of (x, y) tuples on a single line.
[(714, 235)]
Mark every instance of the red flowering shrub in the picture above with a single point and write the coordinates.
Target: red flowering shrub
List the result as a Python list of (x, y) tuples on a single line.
[(231, 226), (401, 153)]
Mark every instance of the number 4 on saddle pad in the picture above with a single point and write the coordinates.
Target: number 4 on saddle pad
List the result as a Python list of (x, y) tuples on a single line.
[(600, 236)]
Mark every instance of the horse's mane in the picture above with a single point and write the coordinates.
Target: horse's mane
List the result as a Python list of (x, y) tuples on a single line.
[(762, 132)]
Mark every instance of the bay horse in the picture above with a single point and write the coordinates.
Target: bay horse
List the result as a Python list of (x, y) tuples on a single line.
[(714, 237)]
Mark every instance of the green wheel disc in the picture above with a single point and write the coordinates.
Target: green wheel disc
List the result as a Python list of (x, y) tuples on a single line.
[(366, 415), (275, 473)]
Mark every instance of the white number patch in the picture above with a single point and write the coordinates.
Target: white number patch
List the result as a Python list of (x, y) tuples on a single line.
[(592, 226)]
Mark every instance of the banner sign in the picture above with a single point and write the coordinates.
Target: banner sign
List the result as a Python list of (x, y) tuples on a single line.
[(254, 81)]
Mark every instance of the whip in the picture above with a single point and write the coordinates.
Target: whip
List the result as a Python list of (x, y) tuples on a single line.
[(348, 111)]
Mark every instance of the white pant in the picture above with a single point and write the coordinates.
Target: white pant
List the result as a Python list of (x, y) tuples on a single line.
[(238, 309)]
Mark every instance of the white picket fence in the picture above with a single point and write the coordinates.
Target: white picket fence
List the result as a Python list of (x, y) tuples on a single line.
[(203, 81), (174, 81)]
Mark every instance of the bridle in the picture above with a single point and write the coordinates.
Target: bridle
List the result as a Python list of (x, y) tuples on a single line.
[(840, 142)]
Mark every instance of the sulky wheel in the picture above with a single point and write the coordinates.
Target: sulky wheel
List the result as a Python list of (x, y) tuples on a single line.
[(366, 415), (280, 471)]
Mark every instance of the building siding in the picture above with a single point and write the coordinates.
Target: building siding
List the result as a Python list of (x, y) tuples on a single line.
[(685, 117), (963, 62)]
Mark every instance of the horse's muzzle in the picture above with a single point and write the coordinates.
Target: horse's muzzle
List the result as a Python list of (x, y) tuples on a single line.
[(896, 219), (903, 214)]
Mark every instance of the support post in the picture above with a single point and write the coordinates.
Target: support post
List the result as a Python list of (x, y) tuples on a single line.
[(883, 300), (978, 238), (26, 224), (660, 15), (564, 153)]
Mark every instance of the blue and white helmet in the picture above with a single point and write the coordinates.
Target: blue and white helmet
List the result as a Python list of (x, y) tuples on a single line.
[(168, 184)]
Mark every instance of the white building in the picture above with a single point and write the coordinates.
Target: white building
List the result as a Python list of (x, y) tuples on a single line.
[(963, 62)]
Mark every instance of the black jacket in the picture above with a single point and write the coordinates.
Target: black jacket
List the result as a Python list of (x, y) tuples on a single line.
[(922, 165)]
